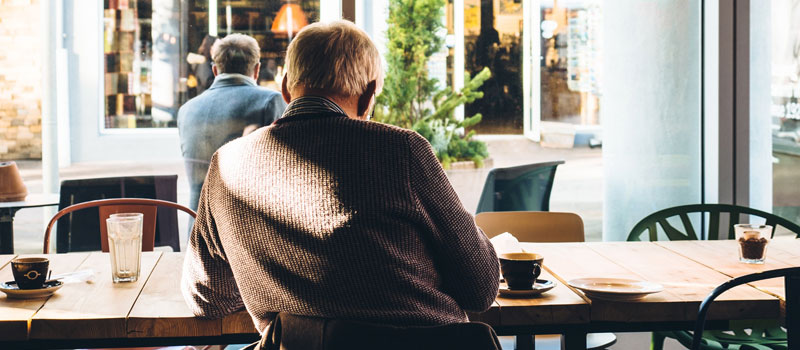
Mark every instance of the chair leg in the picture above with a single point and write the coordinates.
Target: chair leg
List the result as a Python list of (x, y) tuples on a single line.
[(657, 341), (525, 342), (792, 310)]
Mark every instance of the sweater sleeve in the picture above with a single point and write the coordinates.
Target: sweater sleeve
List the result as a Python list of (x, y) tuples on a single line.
[(468, 263), (207, 282)]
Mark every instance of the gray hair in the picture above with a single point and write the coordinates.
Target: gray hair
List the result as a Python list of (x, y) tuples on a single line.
[(337, 57), (236, 53)]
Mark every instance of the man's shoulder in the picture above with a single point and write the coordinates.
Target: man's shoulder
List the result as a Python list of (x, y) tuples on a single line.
[(407, 135), (244, 143)]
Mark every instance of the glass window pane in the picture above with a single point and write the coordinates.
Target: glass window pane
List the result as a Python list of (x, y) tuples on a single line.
[(493, 38), (157, 52), (623, 74), (785, 115)]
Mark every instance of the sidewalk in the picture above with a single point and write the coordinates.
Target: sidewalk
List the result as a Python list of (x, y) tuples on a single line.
[(578, 186)]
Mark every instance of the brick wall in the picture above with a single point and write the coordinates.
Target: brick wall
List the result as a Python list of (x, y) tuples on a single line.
[(20, 80)]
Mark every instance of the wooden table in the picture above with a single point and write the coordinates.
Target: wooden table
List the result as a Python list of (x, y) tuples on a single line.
[(9, 209), (152, 311)]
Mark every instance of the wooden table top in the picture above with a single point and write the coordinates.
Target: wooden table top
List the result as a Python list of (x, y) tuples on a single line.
[(153, 307)]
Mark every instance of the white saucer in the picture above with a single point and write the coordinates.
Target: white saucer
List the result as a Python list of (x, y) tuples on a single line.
[(13, 292), (615, 289), (539, 287)]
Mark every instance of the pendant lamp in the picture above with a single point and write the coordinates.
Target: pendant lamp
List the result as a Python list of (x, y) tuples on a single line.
[(289, 20)]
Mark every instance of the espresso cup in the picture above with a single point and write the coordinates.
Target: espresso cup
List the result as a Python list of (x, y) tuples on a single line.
[(520, 270), (30, 273)]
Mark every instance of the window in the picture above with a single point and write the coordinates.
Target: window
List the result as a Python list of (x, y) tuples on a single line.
[(785, 109), (157, 52)]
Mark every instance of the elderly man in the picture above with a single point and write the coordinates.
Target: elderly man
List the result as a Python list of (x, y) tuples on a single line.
[(327, 214), (232, 106)]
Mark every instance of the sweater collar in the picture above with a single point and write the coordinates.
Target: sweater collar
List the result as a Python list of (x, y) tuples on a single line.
[(312, 105)]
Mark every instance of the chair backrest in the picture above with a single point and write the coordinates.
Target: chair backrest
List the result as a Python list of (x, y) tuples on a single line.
[(70, 230), (533, 226), (525, 187), (314, 333), (791, 277), (106, 207), (716, 214)]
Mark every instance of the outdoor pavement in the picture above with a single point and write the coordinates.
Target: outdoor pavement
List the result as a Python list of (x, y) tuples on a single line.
[(578, 188)]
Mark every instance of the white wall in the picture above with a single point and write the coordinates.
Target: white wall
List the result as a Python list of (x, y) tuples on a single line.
[(651, 109), (760, 152)]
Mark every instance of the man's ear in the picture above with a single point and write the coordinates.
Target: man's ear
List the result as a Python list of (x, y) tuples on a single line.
[(365, 99), (214, 69), (285, 90), (256, 71)]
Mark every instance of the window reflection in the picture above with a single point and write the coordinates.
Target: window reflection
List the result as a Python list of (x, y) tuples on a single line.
[(785, 118), (157, 52), (493, 38)]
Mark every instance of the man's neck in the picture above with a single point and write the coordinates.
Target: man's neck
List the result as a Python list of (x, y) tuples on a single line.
[(348, 104)]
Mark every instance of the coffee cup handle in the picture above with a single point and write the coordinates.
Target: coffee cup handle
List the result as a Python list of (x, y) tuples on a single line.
[(537, 270)]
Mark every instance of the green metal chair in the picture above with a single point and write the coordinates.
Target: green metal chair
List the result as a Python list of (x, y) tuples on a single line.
[(763, 335), (520, 188)]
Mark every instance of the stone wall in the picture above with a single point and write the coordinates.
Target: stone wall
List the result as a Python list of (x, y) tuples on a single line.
[(20, 80)]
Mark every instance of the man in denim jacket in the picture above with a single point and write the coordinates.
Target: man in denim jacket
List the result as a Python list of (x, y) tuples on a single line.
[(234, 105)]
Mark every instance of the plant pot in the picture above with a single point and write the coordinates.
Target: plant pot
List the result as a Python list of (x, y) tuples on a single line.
[(12, 189)]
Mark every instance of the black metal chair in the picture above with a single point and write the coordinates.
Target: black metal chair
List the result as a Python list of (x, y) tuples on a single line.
[(716, 230), (520, 188), (791, 277), (163, 187)]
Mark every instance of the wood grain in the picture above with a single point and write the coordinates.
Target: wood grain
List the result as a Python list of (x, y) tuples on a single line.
[(560, 305), (723, 256), (688, 282), (160, 310), (96, 310), (15, 313), (238, 323)]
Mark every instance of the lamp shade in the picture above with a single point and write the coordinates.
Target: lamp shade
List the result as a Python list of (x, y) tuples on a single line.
[(290, 20), (12, 189)]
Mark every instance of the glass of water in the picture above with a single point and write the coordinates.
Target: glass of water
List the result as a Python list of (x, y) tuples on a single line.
[(125, 245)]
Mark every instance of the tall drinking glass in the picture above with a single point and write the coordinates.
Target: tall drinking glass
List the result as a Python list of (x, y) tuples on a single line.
[(125, 245)]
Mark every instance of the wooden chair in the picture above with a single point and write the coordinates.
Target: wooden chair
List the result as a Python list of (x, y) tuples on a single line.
[(163, 187), (759, 334), (542, 226), (106, 207), (524, 187), (533, 226), (791, 339)]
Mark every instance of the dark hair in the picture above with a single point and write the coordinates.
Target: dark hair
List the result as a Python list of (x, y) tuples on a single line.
[(205, 47)]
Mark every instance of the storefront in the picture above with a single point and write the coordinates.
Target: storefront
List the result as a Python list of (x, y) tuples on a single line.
[(130, 64)]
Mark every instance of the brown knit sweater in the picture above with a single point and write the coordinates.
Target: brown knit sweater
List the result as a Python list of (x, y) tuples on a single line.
[(324, 215)]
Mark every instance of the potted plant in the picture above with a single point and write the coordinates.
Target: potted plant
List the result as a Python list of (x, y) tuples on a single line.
[(411, 99)]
